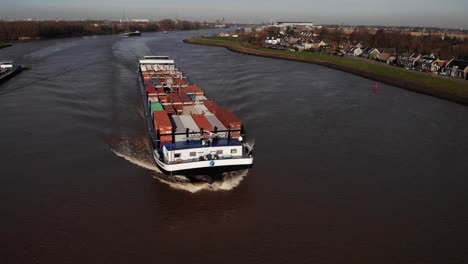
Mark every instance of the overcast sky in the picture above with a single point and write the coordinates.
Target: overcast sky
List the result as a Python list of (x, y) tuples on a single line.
[(440, 13)]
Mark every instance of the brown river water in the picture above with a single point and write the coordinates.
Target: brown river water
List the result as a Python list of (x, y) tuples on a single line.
[(341, 174)]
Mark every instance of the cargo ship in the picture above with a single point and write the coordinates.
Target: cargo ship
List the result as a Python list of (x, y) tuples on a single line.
[(188, 131), (8, 69), (131, 34)]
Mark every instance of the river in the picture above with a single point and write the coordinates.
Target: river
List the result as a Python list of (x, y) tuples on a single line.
[(341, 174)]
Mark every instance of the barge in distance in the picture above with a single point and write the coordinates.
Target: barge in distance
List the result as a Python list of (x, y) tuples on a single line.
[(8, 69), (188, 132), (131, 34)]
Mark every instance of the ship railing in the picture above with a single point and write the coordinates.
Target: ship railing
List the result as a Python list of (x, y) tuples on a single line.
[(205, 158)]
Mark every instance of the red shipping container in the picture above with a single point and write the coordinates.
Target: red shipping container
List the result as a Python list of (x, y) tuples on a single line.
[(228, 119), (162, 123), (202, 122), (150, 90), (160, 91), (174, 98), (185, 99), (179, 108), (194, 89), (179, 82), (169, 109), (211, 106), (165, 138), (162, 98)]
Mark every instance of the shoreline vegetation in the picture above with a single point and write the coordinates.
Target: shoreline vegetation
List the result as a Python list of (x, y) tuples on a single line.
[(453, 90), (35, 30)]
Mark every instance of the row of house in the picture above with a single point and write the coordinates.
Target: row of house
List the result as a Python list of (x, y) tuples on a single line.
[(455, 68)]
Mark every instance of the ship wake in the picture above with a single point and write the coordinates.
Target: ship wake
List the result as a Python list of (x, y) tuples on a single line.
[(226, 182), (137, 151)]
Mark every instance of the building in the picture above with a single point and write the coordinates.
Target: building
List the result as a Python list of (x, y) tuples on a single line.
[(296, 25), (408, 61), (438, 65), (457, 68), (273, 40), (140, 20), (425, 63), (370, 53)]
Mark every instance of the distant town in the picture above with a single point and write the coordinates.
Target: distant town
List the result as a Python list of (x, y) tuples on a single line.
[(432, 50)]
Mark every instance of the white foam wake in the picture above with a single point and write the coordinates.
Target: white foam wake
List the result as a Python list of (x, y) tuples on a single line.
[(138, 162), (135, 152), (229, 181)]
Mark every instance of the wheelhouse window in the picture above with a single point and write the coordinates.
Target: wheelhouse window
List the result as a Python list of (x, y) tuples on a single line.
[(193, 154), (219, 152), (233, 151), (177, 155)]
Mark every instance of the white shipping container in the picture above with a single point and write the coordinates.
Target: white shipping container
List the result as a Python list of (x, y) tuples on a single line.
[(178, 128), (189, 123), (214, 121), (202, 109), (200, 98), (190, 110), (153, 99)]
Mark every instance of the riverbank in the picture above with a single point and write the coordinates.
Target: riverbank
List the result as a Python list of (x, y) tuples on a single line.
[(4, 45), (450, 89)]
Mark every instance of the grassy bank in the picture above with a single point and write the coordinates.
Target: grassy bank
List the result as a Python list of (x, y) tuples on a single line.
[(454, 90), (4, 45)]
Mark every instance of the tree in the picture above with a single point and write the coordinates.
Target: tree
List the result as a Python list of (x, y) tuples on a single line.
[(167, 24)]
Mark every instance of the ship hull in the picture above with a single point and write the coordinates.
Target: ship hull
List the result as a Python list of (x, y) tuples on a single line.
[(10, 74), (240, 162)]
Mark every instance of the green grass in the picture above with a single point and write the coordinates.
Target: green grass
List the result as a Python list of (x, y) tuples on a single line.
[(426, 82)]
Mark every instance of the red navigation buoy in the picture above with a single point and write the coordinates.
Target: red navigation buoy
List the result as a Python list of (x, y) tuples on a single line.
[(376, 88)]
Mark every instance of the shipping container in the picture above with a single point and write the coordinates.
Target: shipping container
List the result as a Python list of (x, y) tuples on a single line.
[(202, 109), (153, 99), (191, 96), (179, 82), (229, 120), (190, 110), (185, 99), (189, 123), (162, 98), (202, 122), (200, 98), (216, 124), (160, 91), (174, 98), (178, 128), (179, 108), (194, 89), (156, 107), (211, 106), (169, 109), (163, 125), (150, 90), (156, 81)]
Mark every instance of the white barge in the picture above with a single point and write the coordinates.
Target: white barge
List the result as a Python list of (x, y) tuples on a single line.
[(188, 131), (8, 69)]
